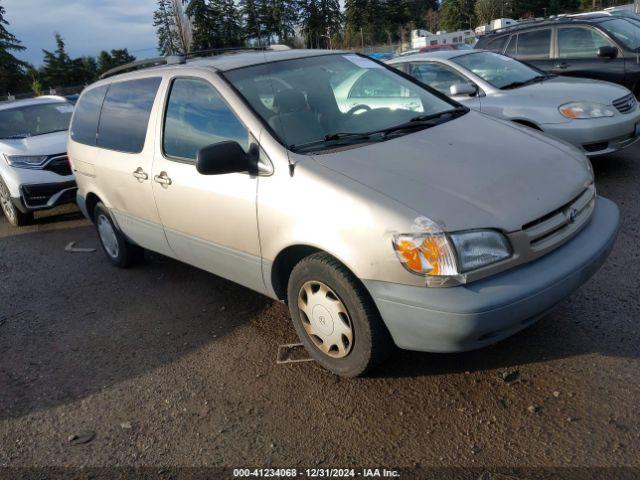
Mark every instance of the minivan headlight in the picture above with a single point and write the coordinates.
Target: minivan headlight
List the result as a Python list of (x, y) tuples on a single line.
[(583, 110), (449, 255), (26, 161)]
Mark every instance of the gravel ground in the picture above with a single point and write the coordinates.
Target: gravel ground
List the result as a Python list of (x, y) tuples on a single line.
[(169, 366)]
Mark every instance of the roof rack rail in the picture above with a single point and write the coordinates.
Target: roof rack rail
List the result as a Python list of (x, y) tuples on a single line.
[(525, 23), (182, 58), (146, 63)]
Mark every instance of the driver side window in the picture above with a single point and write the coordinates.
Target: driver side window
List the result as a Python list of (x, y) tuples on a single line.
[(576, 42), (196, 116), (373, 84), (440, 77)]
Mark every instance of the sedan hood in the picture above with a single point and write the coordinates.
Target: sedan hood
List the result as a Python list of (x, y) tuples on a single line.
[(47, 144), (557, 91), (471, 172)]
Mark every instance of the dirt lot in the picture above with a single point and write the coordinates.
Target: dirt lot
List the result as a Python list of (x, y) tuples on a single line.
[(170, 366)]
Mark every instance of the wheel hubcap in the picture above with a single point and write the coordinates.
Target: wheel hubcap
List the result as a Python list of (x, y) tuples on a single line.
[(5, 201), (325, 319), (108, 236)]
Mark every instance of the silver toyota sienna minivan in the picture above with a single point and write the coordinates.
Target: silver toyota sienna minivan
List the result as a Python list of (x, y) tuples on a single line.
[(403, 218)]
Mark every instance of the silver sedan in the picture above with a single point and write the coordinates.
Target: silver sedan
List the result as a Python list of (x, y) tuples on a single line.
[(597, 117)]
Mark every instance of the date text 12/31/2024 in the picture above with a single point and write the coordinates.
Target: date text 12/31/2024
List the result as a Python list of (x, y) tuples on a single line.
[(315, 473)]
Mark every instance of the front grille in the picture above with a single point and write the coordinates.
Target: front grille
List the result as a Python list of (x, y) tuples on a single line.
[(626, 104), (58, 164), (559, 225), (39, 195)]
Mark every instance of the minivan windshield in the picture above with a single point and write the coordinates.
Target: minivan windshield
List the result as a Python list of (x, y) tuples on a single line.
[(498, 70), (321, 102), (626, 31), (32, 120)]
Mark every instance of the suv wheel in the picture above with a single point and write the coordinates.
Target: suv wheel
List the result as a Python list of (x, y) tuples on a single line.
[(119, 251), (15, 216), (335, 318)]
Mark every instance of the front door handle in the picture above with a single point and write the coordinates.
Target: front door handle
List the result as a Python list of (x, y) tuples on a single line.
[(562, 66), (162, 179), (140, 174)]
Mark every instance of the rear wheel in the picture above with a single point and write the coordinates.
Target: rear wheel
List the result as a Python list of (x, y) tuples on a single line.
[(118, 249), (335, 317), (14, 216)]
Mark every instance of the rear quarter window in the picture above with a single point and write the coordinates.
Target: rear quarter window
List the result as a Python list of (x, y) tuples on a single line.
[(125, 114), (496, 44), (84, 124)]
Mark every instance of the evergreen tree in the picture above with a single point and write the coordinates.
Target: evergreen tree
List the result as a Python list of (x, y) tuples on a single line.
[(457, 15), (252, 13), (12, 71), (279, 18), (320, 21), (487, 10), (230, 23), (115, 58), (57, 66), (164, 21)]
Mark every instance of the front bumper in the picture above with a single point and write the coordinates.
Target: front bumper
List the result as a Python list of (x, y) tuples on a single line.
[(599, 136), (41, 196), (484, 312)]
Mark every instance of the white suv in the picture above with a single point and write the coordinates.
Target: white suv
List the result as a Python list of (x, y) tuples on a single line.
[(34, 170)]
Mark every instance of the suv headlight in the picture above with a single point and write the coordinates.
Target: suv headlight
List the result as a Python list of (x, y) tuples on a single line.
[(26, 161), (440, 254), (583, 110)]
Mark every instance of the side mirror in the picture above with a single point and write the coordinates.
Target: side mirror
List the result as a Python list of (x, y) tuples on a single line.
[(462, 89), (227, 157), (608, 51)]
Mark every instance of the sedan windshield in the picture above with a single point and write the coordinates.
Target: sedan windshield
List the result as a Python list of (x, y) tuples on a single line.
[(626, 31), (32, 120), (317, 103), (498, 70)]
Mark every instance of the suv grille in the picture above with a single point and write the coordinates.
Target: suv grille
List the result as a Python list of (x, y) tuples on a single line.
[(555, 227), (58, 164), (626, 104)]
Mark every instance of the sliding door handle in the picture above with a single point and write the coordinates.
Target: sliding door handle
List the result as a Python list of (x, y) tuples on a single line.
[(140, 174), (162, 179)]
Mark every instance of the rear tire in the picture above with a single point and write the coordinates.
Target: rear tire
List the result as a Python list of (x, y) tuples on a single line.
[(335, 318), (13, 215), (116, 247)]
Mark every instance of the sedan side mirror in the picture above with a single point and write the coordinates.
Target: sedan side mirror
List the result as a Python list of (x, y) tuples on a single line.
[(607, 51), (462, 89), (227, 157)]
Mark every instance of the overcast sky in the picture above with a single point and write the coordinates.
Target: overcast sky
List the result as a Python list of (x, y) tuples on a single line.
[(87, 26)]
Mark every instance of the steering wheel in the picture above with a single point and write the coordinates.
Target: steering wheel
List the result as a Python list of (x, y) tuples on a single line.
[(357, 108)]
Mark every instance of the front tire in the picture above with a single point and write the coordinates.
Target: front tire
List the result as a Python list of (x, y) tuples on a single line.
[(13, 215), (335, 318), (117, 248)]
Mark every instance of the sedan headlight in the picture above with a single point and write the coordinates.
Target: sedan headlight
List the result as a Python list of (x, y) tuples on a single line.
[(450, 255), (26, 161), (583, 110)]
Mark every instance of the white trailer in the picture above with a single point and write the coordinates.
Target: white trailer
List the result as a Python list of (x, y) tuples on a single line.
[(424, 38)]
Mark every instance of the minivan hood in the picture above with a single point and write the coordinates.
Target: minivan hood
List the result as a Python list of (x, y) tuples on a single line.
[(557, 91), (472, 172), (48, 144)]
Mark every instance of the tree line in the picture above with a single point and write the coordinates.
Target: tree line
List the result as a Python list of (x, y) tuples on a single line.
[(58, 68), (194, 25)]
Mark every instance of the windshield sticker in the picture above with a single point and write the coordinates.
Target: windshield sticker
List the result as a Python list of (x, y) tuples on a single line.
[(65, 108), (362, 62)]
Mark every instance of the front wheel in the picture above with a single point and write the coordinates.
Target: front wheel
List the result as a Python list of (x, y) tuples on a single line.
[(335, 317), (118, 249), (14, 216)]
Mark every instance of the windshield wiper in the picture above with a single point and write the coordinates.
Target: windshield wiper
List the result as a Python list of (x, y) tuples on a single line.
[(418, 122), (422, 122), (17, 136), (343, 138), (536, 79)]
